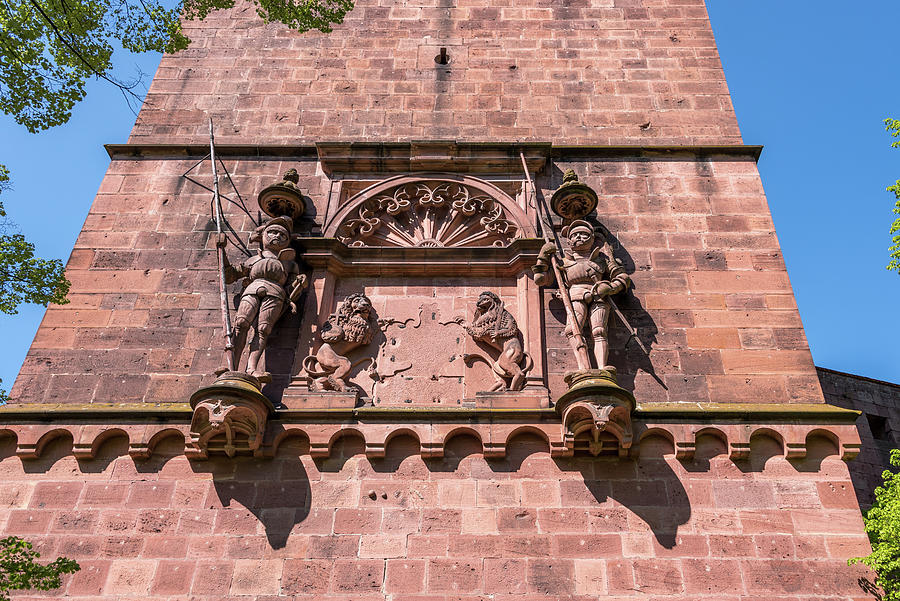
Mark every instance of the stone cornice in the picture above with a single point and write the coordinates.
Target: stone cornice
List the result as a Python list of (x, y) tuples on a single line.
[(694, 412), (844, 374), (379, 157), (792, 426), (334, 256)]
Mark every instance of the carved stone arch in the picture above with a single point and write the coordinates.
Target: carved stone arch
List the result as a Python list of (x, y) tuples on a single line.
[(430, 210)]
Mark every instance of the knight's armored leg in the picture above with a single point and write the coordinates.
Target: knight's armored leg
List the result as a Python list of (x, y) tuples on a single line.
[(243, 320), (574, 341), (269, 310), (599, 320)]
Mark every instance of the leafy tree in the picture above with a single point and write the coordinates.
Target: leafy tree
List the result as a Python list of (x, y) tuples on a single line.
[(19, 571), (49, 48), (883, 525), (24, 277), (893, 126)]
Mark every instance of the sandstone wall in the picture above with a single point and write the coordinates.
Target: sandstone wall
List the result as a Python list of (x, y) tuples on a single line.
[(878, 425), (573, 72), (757, 504), (711, 300), (461, 528)]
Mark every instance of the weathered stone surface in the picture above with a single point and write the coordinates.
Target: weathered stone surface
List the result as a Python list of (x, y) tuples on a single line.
[(878, 424), (733, 487), (587, 73), (291, 525)]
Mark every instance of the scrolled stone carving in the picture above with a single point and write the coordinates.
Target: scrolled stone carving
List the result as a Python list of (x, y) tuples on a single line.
[(352, 325), (496, 327), (437, 214), (234, 408), (272, 283)]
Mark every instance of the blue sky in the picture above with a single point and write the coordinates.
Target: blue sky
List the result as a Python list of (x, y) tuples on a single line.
[(810, 81)]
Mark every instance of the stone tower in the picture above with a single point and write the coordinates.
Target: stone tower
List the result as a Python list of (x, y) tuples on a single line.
[(455, 457)]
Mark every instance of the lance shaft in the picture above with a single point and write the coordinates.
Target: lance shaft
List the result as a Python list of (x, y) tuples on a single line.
[(220, 248), (581, 355)]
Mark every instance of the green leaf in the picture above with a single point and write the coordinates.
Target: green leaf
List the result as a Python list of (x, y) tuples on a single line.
[(882, 523), (51, 47), (893, 126), (25, 278), (20, 571)]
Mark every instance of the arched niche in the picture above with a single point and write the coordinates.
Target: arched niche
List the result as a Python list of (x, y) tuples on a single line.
[(430, 210)]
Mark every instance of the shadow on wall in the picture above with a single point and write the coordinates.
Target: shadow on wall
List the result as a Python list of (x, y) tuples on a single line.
[(276, 492), (648, 488), (598, 495)]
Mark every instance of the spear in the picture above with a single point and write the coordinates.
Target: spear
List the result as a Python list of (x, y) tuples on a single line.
[(220, 248), (581, 351), (581, 355)]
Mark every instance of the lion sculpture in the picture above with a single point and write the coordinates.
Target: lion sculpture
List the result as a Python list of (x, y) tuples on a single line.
[(496, 327), (351, 326)]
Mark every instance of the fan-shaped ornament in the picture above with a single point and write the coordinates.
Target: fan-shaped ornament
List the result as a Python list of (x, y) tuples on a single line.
[(431, 214)]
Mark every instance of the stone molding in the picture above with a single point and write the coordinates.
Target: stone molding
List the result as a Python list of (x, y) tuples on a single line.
[(448, 196), (332, 255), (440, 155), (340, 149), (792, 428)]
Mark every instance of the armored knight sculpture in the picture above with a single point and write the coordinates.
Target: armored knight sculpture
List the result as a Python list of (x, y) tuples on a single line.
[(591, 276), (496, 327), (272, 283)]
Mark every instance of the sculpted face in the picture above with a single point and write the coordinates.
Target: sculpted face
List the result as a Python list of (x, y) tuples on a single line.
[(276, 238), (581, 239), (362, 306), (485, 301)]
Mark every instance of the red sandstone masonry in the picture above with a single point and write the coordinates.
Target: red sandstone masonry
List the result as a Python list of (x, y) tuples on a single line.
[(878, 401), (292, 527), (143, 324), (711, 297), (611, 72)]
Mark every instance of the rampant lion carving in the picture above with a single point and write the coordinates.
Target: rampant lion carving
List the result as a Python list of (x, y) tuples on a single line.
[(351, 326), (496, 326)]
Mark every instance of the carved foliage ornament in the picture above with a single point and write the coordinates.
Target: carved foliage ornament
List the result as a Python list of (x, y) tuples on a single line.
[(429, 214)]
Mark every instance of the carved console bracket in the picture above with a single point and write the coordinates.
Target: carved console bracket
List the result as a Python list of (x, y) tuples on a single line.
[(596, 413), (229, 416)]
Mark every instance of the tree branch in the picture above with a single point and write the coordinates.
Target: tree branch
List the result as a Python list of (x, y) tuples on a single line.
[(124, 88)]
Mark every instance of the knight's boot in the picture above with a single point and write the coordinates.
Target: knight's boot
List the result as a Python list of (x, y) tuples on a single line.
[(601, 354)]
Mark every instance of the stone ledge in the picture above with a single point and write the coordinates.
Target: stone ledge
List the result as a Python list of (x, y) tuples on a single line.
[(742, 412), (489, 162), (342, 260), (433, 428), (747, 411)]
